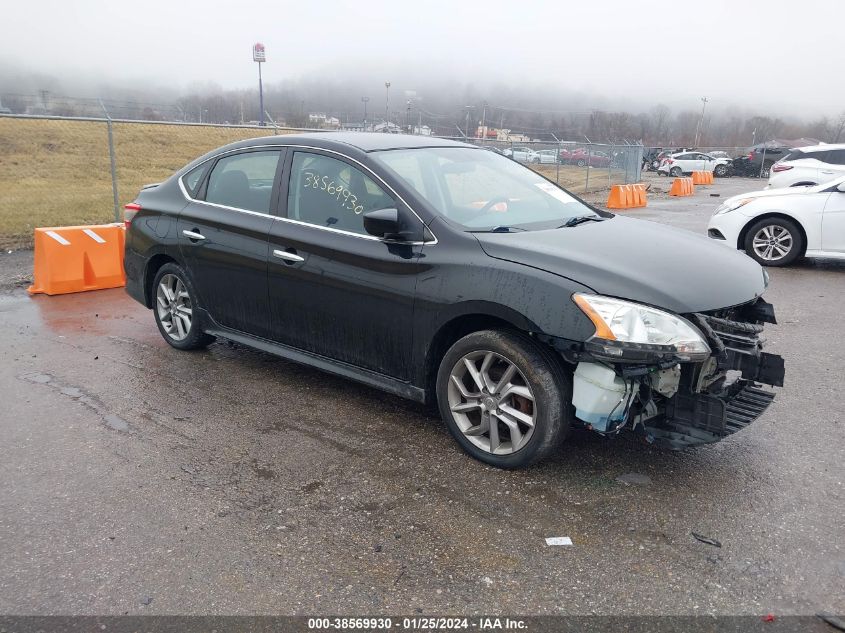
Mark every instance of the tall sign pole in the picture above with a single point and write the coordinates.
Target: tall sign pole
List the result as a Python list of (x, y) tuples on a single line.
[(259, 55), (387, 106)]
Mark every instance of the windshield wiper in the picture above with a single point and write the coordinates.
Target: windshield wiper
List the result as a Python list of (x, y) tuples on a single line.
[(580, 219), (501, 229)]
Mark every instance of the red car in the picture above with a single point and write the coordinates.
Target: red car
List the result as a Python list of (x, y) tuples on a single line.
[(593, 158)]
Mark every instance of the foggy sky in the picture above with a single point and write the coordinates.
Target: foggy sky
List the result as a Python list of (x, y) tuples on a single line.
[(782, 54)]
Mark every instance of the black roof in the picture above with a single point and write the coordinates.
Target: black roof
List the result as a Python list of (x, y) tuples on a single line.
[(364, 141)]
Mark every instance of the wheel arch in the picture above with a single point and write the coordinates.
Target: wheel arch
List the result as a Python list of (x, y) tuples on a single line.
[(459, 325), (154, 264), (740, 244)]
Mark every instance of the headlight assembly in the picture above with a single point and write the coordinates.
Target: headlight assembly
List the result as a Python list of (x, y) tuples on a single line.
[(637, 324), (728, 206)]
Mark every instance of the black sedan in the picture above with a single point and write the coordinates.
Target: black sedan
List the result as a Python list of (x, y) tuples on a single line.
[(445, 273)]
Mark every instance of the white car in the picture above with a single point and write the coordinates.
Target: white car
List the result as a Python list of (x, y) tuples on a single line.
[(777, 226), (548, 156), (686, 162), (812, 165), (523, 154)]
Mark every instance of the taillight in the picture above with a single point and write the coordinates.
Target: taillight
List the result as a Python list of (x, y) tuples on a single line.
[(129, 212), (750, 156), (777, 167)]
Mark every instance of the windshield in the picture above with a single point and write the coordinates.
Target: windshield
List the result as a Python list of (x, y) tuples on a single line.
[(483, 191)]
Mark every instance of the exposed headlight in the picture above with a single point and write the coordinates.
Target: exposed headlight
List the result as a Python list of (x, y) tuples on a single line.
[(727, 207), (627, 322)]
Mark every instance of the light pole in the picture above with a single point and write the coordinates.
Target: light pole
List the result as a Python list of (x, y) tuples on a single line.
[(259, 55), (466, 125), (387, 106), (408, 117), (700, 130), (364, 101)]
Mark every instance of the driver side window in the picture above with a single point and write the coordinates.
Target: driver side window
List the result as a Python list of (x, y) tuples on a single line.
[(330, 193)]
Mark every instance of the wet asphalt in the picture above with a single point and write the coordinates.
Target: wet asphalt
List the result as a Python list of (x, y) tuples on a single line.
[(139, 479)]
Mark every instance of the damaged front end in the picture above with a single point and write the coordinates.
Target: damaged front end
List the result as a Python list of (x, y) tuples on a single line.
[(695, 391)]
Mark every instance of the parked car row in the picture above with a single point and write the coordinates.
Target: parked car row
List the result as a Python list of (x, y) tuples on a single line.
[(579, 156)]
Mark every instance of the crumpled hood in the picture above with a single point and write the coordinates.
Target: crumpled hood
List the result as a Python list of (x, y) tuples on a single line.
[(637, 260)]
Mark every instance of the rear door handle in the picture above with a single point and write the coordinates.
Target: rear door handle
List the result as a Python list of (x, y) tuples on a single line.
[(193, 235), (288, 257)]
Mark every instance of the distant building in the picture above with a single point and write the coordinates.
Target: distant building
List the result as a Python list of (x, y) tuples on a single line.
[(319, 119)]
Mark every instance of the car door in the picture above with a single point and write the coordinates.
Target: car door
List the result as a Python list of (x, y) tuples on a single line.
[(833, 223), (335, 290), (708, 163), (223, 238)]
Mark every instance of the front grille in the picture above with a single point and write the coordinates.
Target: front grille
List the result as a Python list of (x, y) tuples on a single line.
[(738, 336)]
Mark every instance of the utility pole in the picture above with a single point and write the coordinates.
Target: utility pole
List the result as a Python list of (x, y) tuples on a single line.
[(408, 117), (466, 125), (387, 106), (364, 101), (483, 119), (700, 130)]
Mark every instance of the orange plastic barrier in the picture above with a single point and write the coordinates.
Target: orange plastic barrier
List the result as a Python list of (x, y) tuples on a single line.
[(702, 177), (626, 196), (682, 187), (78, 258)]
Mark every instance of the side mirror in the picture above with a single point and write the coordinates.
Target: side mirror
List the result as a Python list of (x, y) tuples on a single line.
[(841, 187), (382, 223)]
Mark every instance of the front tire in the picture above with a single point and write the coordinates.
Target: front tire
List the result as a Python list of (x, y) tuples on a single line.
[(581, 162), (720, 171), (774, 242), (505, 399), (176, 309)]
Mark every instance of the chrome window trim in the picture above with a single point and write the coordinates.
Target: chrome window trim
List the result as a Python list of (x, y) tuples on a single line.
[(322, 228)]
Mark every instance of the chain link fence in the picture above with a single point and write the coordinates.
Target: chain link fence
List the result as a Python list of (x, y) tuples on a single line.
[(60, 171)]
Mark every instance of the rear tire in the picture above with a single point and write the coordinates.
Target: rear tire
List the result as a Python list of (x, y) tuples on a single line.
[(176, 309), (676, 172), (774, 242), (581, 162), (507, 421)]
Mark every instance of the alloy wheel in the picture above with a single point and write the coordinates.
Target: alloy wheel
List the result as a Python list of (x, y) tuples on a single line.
[(491, 402), (173, 304), (772, 243)]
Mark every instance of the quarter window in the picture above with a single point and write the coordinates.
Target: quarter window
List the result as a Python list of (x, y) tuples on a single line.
[(244, 181), (193, 178), (328, 192)]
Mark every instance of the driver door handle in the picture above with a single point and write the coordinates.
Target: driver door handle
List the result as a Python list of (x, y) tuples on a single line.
[(288, 257), (193, 235)]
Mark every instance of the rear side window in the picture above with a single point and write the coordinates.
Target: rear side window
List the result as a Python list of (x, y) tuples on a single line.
[(244, 181), (328, 192), (796, 154), (193, 178), (835, 157)]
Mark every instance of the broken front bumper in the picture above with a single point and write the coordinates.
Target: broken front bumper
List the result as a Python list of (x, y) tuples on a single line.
[(714, 397), (722, 396)]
